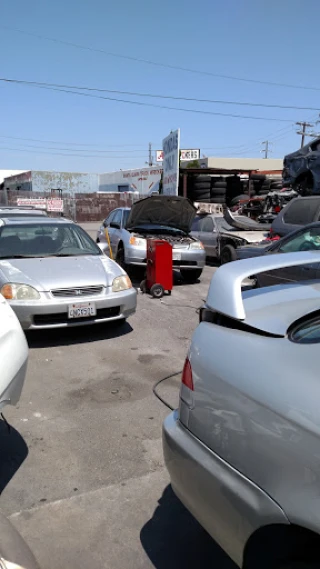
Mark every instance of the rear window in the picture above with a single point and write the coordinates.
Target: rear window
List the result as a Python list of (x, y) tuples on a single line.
[(301, 211), (306, 333)]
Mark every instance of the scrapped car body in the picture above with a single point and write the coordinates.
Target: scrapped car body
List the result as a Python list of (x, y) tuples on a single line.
[(222, 234), (242, 450), (301, 169), (297, 213), (305, 239), (162, 217), (13, 356), (54, 275)]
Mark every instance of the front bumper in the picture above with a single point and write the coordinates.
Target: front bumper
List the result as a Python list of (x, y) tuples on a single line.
[(53, 312), (228, 505), (189, 258)]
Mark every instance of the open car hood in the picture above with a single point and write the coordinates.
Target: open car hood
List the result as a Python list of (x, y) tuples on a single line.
[(242, 224), (173, 211)]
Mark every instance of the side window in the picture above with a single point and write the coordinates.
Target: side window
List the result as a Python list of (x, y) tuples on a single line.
[(301, 211), (196, 224), (118, 216), (108, 220), (207, 225), (304, 241)]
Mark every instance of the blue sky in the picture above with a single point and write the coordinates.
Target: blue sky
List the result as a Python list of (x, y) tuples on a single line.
[(273, 41)]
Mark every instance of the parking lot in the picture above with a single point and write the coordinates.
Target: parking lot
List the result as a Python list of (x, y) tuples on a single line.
[(82, 470)]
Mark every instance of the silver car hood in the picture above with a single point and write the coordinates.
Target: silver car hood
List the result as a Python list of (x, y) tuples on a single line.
[(61, 272), (173, 211)]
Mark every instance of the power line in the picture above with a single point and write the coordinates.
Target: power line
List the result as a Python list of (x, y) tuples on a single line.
[(66, 155), (158, 96), (159, 64), (50, 87)]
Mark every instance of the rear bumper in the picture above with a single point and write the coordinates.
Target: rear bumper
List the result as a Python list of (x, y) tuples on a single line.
[(228, 505)]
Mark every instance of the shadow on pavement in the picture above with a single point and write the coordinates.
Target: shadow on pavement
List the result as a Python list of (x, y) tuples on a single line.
[(77, 335), (13, 452), (173, 539)]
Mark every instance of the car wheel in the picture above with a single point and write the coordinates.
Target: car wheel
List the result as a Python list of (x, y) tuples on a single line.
[(157, 291), (228, 254), (120, 258), (190, 275)]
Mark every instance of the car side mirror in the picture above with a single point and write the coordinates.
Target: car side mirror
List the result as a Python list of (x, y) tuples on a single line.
[(115, 225)]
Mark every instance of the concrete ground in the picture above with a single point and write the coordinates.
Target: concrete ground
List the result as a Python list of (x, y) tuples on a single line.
[(82, 471)]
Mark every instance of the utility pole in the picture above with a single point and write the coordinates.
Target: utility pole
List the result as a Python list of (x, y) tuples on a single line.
[(303, 132), (266, 148), (150, 155)]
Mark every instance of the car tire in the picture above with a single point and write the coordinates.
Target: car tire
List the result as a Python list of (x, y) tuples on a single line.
[(218, 199), (157, 290), (120, 258), (228, 254), (190, 275), (199, 186)]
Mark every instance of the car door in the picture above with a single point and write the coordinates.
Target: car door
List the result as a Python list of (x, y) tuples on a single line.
[(115, 232), (208, 235), (304, 240)]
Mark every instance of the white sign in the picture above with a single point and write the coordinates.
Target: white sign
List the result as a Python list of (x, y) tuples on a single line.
[(40, 203), (50, 204), (171, 147), (55, 204), (191, 154), (159, 155)]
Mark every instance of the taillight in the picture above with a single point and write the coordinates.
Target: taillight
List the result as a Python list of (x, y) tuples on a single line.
[(187, 375)]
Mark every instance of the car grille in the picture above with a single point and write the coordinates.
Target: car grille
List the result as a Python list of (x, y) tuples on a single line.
[(80, 291), (62, 317)]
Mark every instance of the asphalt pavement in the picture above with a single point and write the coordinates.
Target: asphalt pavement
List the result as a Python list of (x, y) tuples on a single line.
[(82, 473)]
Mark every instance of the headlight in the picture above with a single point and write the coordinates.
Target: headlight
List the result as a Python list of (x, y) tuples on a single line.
[(196, 245), (121, 283), (15, 291), (137, 241)]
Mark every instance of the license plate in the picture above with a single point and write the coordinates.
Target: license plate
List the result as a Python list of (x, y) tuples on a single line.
[(176, 256), (82, 310)]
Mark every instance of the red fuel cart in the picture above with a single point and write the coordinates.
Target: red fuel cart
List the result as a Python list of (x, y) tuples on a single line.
[(159, 268)]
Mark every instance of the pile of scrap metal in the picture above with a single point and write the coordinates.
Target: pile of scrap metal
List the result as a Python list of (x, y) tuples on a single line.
[(265, 208)]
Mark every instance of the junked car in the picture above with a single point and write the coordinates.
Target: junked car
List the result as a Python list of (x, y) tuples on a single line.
[(164, 217), (23, 211), (305, 239), (222, 234), (242, 450), (54, 275)]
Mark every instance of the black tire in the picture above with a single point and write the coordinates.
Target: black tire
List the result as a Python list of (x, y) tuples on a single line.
[(218, 199), (143, 286), (120, 258), (200, 197), (157, 291), (228, 254), (201, 179), (221, 185), (276, 186), (190, 275), (199, 186), (258, 177), (218, 192)]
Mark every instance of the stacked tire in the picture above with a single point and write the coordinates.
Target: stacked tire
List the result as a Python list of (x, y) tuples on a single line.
[(199, 188), (234, 188), (218, 190)]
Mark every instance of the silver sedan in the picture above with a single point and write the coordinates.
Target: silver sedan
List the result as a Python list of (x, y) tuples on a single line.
[(54, 275), (243, 448)]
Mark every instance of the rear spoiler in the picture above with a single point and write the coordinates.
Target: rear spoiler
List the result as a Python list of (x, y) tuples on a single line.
[(225, 293)]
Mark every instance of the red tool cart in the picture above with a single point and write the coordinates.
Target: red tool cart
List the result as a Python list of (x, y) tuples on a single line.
[(159, 268)]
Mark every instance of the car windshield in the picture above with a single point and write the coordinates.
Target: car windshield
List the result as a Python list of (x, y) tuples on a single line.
[(45, 240)]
